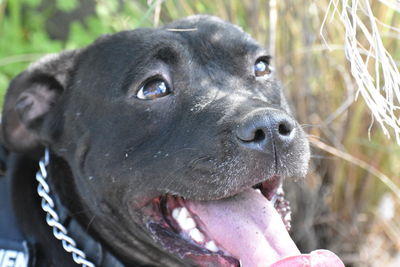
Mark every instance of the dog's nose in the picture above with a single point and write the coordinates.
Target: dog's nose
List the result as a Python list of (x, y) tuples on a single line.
[(261, 129)]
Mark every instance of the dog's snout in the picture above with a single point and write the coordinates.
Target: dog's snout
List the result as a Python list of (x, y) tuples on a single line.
[(262, 128)]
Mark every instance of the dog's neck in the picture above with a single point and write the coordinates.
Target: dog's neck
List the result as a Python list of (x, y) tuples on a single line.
[(34, 222), (84, 249)]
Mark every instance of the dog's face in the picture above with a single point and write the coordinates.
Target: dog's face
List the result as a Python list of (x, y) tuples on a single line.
[(167, 133)]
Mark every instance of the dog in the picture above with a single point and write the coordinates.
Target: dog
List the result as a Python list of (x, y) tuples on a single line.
[(163, 147)]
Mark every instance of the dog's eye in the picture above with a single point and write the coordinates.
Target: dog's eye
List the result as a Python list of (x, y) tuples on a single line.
[(153, 89), (262, 68)]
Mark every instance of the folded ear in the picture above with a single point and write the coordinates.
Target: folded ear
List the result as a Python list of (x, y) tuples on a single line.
[(30, 98)]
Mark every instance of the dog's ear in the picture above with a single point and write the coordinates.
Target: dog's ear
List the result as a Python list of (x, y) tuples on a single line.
[(30, 98)]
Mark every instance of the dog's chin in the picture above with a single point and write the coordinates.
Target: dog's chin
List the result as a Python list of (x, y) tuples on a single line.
[(248, 228)]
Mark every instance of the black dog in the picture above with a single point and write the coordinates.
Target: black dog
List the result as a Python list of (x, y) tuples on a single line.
[(167, 147)]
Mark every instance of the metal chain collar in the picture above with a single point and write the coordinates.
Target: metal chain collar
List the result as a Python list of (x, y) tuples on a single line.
[(52, 218)]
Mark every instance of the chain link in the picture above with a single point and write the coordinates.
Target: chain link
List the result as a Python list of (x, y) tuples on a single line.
[(52, 218)]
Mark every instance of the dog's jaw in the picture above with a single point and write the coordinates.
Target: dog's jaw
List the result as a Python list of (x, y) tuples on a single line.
[(238, 229)]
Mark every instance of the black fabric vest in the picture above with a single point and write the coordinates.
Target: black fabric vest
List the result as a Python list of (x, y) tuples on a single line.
[(16, 251)]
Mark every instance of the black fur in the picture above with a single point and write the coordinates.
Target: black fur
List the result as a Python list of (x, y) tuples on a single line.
[(112, 152)]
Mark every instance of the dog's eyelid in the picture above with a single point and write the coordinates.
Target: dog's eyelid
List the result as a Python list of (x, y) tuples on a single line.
[(266, 58)]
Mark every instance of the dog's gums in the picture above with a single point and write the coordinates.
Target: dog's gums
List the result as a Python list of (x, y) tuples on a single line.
[(241, 229)]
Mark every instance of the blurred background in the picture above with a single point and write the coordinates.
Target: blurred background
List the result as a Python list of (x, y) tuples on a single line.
[(350, 201)]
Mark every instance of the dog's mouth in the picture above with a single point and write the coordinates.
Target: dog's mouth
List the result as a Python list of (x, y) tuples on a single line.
[(247, 229)]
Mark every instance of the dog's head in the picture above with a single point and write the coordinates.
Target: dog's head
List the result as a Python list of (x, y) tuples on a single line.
[(168, 134)]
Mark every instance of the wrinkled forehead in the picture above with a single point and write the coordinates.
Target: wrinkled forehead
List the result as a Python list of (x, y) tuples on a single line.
[(213, 39), (199, 40), (114, 61)]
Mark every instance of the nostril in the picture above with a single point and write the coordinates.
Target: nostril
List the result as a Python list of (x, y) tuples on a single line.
[(285, 128), (259, 136), (265, 130), (250, 136)]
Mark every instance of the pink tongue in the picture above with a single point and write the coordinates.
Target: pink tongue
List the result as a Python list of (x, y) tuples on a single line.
[(317, 258), (250, 229), (247, 226)]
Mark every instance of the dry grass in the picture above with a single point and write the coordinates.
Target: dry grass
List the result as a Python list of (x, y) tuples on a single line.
[(372, 66)]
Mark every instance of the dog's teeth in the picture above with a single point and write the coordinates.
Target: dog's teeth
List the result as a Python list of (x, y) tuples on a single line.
[(175, 213), (279, 191), (258, 190), (180, 213), (288, 217), (183, 218), (183, 214), (196, 235), (187, 224), (210, 245), (273, 200)]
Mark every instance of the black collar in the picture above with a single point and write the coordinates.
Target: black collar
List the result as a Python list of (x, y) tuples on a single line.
[(94, 250)]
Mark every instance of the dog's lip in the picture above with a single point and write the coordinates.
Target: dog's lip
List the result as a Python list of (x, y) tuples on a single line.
[(207, 249)]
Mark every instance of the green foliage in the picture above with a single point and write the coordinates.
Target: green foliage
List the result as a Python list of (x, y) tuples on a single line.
[(25, 37), (32, 3), (67, 5)]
